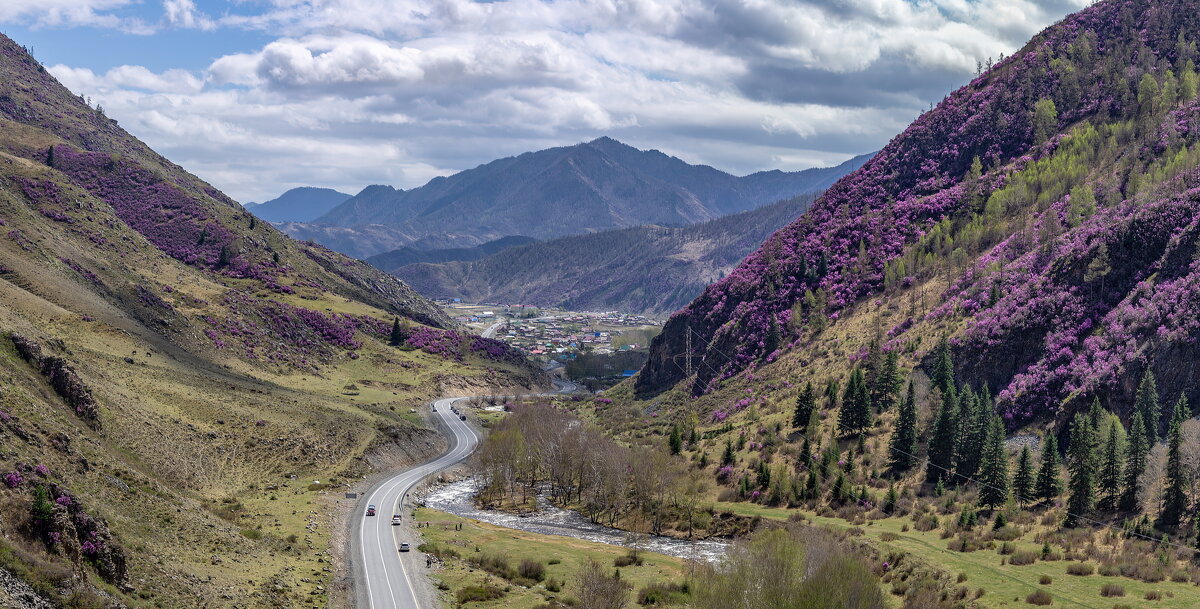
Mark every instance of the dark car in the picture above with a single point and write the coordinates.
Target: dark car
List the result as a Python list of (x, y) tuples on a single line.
[(370, 510), (462, 417)]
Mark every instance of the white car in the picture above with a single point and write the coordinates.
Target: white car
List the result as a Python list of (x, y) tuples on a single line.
[(395, 519), (404, 547)]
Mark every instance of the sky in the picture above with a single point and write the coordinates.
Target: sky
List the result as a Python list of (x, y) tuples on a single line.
[(259, 96)]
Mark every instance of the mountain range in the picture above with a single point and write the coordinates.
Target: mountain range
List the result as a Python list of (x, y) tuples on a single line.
[(588, 187), (302, 204), (646, 269)]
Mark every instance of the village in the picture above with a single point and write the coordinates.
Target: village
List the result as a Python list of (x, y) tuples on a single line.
[(555, 334)]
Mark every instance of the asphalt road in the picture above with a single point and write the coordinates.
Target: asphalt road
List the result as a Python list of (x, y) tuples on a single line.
[(383, 579), (491, 331)]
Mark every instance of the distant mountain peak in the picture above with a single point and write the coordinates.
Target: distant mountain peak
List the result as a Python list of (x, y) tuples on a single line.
[(591, 186)]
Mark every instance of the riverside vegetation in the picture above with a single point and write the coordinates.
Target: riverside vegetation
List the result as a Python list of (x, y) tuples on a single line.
[(975, 351)]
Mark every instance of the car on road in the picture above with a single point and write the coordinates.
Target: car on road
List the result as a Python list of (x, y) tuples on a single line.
[(462, 417), (395, 519), (404, 547), (370, 510)]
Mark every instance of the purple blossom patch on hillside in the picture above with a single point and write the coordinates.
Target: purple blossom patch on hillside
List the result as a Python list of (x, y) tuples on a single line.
[(171, 219)]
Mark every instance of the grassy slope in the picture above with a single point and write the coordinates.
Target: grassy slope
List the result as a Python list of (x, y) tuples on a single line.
[(984, 568), (193, 463)]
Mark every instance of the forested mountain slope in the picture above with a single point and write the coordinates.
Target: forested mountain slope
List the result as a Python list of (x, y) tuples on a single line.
[(648, 269), (175, 374), (1043, 216)]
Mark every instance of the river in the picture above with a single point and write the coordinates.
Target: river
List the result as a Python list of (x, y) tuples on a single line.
[(458, 498)]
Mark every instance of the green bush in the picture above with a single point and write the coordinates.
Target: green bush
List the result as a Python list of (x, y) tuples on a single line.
[(1023, 557), (1039, 597), (479, 594), (532, 569), (663, 594), (1081, 568)]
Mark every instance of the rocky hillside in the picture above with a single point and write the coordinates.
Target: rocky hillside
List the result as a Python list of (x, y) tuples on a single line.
[(303, 204), (183, 388), (598, 185), (1044, 217), (647, 269), (395, 259)]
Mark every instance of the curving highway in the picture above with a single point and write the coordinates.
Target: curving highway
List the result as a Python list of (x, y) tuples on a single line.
[(384, 580)]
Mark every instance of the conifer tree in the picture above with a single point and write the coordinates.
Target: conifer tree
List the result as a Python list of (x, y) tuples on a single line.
[(1081, 466), (1023, 480), (1137, 449), (941, 441), (902, 448), (1180, 411), (676, 440), (942, 374), (888, 382), (1049, 480), (397, 336), (1146, 404), (1110, 470), (993, 474), (806, 403), (1096, 418), (728, 456), (1175, 501), (975, 419), (832, 389), (855, 414)]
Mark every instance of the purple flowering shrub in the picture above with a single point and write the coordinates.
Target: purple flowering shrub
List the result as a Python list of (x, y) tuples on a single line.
[(170, 218)]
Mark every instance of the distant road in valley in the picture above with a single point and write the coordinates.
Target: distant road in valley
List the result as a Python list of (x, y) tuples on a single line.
[(384, 576), (492, 329)]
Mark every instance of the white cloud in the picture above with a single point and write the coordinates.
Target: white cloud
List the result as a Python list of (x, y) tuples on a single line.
[(183, 13), (350, 92)]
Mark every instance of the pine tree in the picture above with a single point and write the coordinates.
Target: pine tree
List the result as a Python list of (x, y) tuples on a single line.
[(902, 448), (887, 383), (1023, 480), (1081, 467), (942, 374), (397, 337), (728, 456), (1137, 449), (1049, 480), (855, 414), (676, 440), (1180, 411), (993, 475), (1110, 471), (975, 419), (1146, 403), (1096, 418), (806, 403), (941, 441), (1175, 501)]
